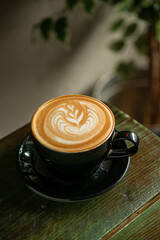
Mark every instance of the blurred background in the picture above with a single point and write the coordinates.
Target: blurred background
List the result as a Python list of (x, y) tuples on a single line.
[(32, 72)]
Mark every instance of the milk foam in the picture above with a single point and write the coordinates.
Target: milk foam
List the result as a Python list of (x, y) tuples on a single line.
[(72, 123), (66, 121)]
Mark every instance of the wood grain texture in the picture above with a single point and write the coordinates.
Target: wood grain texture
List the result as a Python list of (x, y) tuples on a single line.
[(136, 214), (145, 226), (24, 215)]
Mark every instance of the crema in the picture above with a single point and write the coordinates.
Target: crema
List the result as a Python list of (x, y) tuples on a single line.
[(72, 123)]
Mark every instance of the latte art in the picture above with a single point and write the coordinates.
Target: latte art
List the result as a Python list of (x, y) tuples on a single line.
[(72, 123), (67, 120)]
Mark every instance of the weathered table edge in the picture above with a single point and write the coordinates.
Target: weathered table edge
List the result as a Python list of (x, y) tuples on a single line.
[(131, 218)]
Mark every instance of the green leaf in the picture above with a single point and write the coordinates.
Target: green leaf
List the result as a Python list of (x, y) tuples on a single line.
[(106, 1), (141, 44), (158, 30), (114, 2), (125, 69), (148, 14), (117, 24), (130, 29), (60, 29), (127, 5), (157, 6), (117, 45), (45, 27), (146, 3), (71, 3), (130, 5), (88, 5)]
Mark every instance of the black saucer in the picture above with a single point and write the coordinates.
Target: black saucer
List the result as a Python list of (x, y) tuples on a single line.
[(39, 180)]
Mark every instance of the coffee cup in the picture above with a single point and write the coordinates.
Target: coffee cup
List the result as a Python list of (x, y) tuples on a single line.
[(73, 134)]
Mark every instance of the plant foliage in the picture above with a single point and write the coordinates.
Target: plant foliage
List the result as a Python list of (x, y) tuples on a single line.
[(144, 10), (158, 30), (60, 29), (141, 44), (71, 4), (117, 46), (45, 26), (130, 30), (116, 25), (88, 5), (125, 69)]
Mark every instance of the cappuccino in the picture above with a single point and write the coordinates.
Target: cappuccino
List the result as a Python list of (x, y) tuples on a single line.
[(72, 123)]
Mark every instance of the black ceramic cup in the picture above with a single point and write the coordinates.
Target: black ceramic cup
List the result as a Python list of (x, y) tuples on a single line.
[(83, 163)]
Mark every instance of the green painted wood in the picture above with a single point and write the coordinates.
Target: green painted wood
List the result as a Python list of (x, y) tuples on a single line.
[(24, 215), (146, 226)]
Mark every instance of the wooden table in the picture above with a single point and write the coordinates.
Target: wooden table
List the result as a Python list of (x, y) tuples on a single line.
[(131, 210)]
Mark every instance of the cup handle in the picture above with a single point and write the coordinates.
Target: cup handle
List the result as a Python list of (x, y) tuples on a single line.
[(126, 152)]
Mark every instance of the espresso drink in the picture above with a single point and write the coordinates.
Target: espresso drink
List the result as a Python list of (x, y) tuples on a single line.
[(72, 123)]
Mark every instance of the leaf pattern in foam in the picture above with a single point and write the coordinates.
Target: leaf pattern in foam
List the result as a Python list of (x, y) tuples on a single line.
[(75, 116)]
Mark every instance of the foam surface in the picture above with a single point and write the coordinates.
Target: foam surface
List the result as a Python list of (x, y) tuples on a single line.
[(72, 123)]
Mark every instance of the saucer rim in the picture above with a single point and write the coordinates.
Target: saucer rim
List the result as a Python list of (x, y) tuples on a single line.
[(31, 187)]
